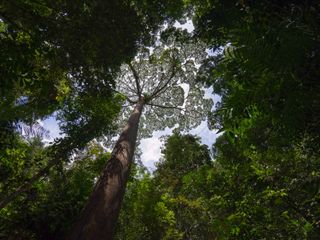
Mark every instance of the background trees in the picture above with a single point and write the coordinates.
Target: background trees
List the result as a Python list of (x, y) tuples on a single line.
[(51, 206), (269, 108), (169, 205)]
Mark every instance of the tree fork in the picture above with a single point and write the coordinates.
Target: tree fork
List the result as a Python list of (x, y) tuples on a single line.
[(99, 217)]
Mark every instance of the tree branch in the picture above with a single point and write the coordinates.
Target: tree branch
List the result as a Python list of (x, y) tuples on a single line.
[(157, 91), (161, 79), (127, 87), (136, 78), (165, 107)]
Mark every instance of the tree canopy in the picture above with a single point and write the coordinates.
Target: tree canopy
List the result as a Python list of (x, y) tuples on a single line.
[(90, 62), (165, 75)]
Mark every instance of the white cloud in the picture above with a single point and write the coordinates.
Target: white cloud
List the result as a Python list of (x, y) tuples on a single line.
[(151, 147), (151, 151), (207, 136), (52, 126), (188, 25)]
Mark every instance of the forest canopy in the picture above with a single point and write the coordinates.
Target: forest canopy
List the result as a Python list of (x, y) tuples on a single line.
[(90, 63)]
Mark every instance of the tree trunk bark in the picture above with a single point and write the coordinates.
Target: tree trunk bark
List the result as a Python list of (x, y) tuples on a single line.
[(99, 217)]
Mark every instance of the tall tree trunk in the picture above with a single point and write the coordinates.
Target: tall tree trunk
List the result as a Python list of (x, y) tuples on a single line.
[(98, 218)]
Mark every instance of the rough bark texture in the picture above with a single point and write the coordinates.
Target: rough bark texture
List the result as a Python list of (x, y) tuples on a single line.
[(99, 217)]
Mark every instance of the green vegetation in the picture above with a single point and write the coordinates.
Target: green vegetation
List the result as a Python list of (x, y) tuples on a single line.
[(269, 114), (82, 61)]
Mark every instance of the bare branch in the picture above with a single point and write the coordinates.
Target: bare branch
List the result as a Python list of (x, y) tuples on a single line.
[(161, 80), (157, 91), (144, 83), (173, 107), (136, 78), (126, 86)]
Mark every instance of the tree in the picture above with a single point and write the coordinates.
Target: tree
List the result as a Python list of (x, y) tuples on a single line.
[(43, 71), (51, 48), (50, 207), (61, 57), (39, 62), (181, 177), (259, 71), (267, 79), (182, 154), (153, 80), (156, 207)]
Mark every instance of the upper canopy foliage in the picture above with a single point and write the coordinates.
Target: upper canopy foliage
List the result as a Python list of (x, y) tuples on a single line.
[(269, 113), (51, 50), (165, 76), (63, 56), (270, 61)]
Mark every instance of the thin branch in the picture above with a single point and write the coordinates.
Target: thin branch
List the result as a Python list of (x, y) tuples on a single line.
[(165, 107), (156, 92), (161, 80), (144, 83), (136, 78), (129, 90), (127, 86), (164, 89)]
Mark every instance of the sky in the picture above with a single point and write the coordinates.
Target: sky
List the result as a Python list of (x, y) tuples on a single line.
[(151, 147)]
